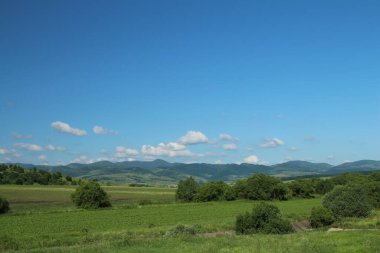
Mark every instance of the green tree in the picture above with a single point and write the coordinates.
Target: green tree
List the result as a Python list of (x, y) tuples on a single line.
[(214, 191), (348, 201), (187, 190), (320, 217), (264, 218), (4, 205), (90, 195)]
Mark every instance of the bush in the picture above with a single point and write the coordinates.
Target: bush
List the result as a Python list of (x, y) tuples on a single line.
[(4, 206), (262, 187), (90, 196), (301, 188), (181, 230), (144, 202), (187, 190), (348, 201), (320, 217), (373, 192), (265, 218), (214, 191)]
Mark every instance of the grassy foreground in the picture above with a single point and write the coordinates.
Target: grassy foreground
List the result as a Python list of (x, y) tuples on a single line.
[(44, 220)]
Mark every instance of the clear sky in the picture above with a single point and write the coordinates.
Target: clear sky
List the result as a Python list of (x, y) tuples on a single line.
[(189, 81)]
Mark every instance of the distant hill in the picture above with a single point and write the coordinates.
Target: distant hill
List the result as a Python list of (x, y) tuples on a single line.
[(358, 166), (163, 172)]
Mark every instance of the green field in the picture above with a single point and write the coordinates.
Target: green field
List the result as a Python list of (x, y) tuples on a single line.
[(44, 220)]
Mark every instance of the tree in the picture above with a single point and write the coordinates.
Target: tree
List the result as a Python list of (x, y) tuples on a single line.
[(214, 191), (301, 188), (347, 201), (320, 217), (263, 187), (90, 195), (264, 218), (4, 205), (373, 192), (187, 190)]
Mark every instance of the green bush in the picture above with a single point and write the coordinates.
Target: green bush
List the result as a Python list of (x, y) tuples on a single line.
[(320, 217), (264, 218), (4, 206), (187, 190), (348, 201), (302, 188), (181, 230), (90, 196), (214, 191), (261, 187), (373, 192)]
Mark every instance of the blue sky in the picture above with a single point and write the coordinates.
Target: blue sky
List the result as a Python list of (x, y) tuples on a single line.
[(189, 81)]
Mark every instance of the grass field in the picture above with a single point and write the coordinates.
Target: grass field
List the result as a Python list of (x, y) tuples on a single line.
[(44, 220)]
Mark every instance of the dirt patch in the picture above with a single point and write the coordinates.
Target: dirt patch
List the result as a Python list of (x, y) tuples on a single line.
[(299, 226), (219, 233)]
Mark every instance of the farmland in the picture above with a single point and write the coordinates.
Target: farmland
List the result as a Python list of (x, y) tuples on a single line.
[(43, 219)]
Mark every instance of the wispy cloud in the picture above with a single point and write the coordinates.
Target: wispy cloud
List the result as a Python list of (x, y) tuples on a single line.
[(172, 149), (103, 130), (66, 128), (272, 143), (229, 146), (29, 146), (20, 136), (227, 137), (252, 159)]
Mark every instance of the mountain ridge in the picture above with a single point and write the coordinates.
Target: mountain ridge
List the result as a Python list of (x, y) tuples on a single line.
[(162, 172)]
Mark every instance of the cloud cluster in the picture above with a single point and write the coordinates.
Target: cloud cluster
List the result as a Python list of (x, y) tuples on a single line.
[(103, 130), (172, 149), (193, 137), (122, 152), (3, 151), (20, 136), (28, 146), (272, 143), (66, 128)]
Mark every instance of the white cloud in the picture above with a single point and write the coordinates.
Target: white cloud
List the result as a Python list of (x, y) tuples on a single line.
[(4, 151), (54, 148), (331, 157), (103, 130), (172, 149), (293, 149), (103, 151), (218, 162), (82, 159), (122, 152), (193, 137), (66, 128), (229, 146), (20, 136), (272, 143), (28, 146), (227, 137), (42, 158), (252, 159)]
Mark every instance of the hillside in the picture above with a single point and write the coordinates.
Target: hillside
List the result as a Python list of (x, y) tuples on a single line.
[(160, 172)]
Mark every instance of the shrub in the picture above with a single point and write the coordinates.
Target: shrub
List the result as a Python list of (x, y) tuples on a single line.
[(90, 196), (214, 191), (263, 187), (181, 230), (347, 201), (320, 217), (265, 218), (324, 186), (187, 190), (4, 206), (301, 188), (373, 192), (145, 202)]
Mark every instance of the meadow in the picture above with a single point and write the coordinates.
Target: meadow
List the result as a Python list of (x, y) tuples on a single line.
[(43, 219)]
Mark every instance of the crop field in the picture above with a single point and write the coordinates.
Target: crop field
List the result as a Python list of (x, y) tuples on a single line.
[(44, 220), (48, 198)]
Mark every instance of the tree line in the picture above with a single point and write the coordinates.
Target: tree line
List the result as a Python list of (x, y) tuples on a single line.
[(14, 174), (265, 187)]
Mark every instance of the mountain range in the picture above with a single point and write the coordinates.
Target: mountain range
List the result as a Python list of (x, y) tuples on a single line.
[(160, 172)]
